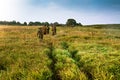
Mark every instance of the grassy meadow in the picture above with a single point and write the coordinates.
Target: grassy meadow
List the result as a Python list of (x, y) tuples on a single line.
[(78, 53)]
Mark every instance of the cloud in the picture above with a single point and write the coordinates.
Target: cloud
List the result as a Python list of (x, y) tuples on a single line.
[(54, 10), (80, 4), (6, 8), (10, 9)]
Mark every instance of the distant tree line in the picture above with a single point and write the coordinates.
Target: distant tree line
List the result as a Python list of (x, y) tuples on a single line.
[(12, 23), (70, 22)]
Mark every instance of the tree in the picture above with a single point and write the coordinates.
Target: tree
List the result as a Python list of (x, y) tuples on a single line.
[(46, 24), (71, 22), (30, 23), (56, 23), (37, 23), (25, 23), (79, 24), (13, 22), (18, 23)]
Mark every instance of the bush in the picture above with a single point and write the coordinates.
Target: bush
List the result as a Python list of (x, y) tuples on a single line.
[(64, 45)]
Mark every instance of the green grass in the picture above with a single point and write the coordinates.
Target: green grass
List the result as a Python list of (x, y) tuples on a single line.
[(79, 53)]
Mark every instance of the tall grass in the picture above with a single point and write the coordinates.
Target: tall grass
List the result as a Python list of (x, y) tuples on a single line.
[(79, 53)]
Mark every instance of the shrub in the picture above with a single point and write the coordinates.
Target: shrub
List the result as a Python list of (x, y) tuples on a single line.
[(64, 45)]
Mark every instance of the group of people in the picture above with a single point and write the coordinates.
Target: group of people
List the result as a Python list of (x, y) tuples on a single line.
[(45, 30)]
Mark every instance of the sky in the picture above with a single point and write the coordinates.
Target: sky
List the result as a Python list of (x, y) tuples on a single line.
[(83, 11)]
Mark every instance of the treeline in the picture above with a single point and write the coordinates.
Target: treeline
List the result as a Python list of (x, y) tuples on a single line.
[(44, 23), (29, 24), (13, 23), (70, 22)]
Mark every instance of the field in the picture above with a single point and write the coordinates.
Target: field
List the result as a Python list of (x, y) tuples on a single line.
[(78, 53)]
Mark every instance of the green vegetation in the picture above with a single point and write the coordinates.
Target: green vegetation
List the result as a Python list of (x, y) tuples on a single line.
[(72, 23), (75, 53)]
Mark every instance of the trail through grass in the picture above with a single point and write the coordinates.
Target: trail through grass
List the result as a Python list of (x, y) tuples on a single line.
[(79, 53)]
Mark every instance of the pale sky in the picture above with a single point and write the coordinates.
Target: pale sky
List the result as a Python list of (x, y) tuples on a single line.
[(84, 11)]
